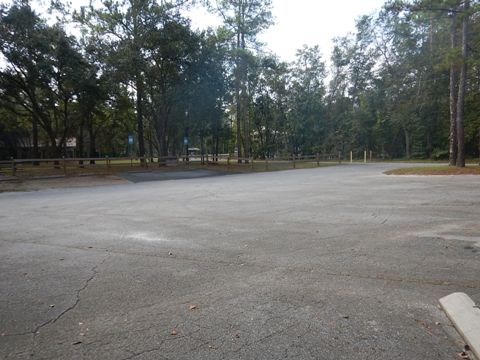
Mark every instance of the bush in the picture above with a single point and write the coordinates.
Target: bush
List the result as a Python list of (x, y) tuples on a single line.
[(418, 155), (440, 154)]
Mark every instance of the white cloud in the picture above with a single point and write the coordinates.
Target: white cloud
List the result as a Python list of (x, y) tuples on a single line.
[(313, 23), (299, 22)]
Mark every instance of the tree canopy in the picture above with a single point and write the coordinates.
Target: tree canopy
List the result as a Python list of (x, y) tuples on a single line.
[(405, 84)]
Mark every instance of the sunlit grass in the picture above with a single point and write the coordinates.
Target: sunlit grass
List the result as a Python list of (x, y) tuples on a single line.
[(436, 170)]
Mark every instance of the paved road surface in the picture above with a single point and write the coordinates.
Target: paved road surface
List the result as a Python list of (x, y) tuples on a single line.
[(142, 176), (330, 263)]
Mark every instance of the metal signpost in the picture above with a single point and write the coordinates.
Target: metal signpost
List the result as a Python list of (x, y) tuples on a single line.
[(130, 143)]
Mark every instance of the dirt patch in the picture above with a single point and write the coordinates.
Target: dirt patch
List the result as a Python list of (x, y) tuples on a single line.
[(435, 170), (60, 182)]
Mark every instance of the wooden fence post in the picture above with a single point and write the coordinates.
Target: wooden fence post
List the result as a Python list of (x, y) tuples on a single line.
[(293, 158), (365, 156), (318, 159), (351, 157)]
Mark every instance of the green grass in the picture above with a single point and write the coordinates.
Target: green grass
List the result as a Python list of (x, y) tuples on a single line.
[(262, 166), (28, 170), (424, 161), (436, 170)]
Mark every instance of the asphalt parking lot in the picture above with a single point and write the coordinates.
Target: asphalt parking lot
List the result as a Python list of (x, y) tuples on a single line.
[(330, 263)]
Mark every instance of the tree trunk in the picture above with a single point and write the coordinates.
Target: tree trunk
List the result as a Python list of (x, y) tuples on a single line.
[(462, 88), (80, 143), (35, 153), (407, 143), (150, 141), (238, 100), (161, 128), (217, 146), (453, 96), (65, 127), (240, 81), (479, 145), (139, 101), (92, 146), (202, 148), (429, 144)]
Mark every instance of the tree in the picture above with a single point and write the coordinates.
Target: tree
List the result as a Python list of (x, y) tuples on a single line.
[(123, 27), (462, 85), (307, 91), (455, 9), (40, 78), (244, 20)]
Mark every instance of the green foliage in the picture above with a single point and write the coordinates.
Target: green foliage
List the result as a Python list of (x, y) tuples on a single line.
[(139, 68)]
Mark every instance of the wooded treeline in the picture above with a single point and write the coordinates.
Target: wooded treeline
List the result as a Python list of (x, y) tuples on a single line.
[(406, 84)]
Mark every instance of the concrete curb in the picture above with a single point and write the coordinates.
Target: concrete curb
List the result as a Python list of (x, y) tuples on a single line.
[(465, 315)]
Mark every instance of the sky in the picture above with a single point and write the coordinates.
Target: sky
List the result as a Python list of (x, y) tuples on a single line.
[(299, 22)]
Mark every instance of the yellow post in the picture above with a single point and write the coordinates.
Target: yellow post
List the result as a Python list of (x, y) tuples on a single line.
[(351, 157), (365, 156)]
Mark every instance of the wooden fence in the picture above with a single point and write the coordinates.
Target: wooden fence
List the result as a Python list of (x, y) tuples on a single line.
[(26, 168)]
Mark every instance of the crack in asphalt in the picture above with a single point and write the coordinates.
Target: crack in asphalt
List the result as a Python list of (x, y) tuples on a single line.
[(159, 347), (247, 264), (74, 305), (433, 282), (53, 320), (140, 353), (407, 280)]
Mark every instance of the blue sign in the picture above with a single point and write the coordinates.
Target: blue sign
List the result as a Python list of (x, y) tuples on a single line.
[(130, 139)]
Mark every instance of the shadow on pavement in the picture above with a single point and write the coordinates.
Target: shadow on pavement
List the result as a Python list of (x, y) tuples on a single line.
[(170, 175)]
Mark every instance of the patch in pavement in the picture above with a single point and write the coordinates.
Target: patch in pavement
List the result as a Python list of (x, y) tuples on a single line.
[(454, 232), (169, 175)]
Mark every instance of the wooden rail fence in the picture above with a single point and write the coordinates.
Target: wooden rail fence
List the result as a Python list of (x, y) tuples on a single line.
[(24, 168)]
